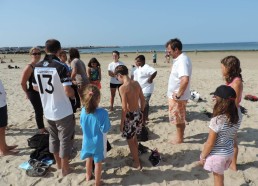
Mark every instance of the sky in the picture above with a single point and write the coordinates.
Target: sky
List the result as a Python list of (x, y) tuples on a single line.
[(126, 22)]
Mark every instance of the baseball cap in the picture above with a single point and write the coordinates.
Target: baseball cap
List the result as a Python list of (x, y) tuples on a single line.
[(225, 92)]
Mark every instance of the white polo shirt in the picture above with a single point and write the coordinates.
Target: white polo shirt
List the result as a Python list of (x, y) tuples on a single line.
[(142, 74), (182, 66), (111, 67), (2, 95)]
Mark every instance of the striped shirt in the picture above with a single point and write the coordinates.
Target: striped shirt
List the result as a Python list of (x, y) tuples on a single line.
[(224, 144)]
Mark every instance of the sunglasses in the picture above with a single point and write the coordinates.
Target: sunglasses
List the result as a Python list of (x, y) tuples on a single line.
[(36, 53)]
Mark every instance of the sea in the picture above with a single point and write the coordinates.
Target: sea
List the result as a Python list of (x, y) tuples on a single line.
[(241, 46)]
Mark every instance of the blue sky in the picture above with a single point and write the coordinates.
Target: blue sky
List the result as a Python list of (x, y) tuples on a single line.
[(127, 22)]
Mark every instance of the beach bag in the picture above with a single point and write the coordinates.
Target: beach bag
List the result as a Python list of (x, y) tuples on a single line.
[(38, 141), (143, 136), (42, 153)]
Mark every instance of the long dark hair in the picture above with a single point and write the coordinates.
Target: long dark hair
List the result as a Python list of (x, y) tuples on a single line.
[(232, 64), (93, 60), (227, 107)]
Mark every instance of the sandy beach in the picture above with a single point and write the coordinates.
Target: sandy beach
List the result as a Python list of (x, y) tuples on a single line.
[(179, 162)]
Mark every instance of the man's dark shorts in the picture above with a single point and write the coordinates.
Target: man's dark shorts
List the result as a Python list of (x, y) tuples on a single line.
[(3, 116)]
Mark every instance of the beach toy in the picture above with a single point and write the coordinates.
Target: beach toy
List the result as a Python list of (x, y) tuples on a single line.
[(195, 96)]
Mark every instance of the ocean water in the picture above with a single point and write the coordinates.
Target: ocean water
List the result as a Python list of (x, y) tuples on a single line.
[(244, 46)]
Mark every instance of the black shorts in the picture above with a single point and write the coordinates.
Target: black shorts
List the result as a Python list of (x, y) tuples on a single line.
[(115, 85), (3, 116), (154, 60)]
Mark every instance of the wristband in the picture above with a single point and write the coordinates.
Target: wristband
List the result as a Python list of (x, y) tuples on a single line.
[(203, 159)]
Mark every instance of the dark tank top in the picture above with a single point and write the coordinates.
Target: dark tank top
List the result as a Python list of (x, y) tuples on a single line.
[(30, 89)]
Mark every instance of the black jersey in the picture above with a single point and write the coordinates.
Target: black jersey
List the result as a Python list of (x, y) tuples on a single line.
[(50, 75)]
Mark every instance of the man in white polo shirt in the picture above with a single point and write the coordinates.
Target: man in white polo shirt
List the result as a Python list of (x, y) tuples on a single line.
[(145, 74), (178, 87)]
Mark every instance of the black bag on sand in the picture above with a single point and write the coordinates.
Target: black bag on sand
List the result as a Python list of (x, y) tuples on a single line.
[(143, 136), (38, 141)]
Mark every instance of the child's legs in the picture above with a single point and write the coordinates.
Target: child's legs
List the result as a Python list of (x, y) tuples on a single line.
[(218, 179), (89, 168), (233, 165), (2, 140), (98, 169), (133, 146)]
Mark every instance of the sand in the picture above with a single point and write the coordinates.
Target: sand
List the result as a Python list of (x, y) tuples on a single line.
[(179, 162)]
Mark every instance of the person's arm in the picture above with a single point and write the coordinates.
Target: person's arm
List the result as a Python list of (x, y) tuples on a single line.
[(150, 80), (25, 77), (184, 80), (111, 74), (124, 107), (69, 92), (238, 87), (208, 146), (88, 73), (99, 73)]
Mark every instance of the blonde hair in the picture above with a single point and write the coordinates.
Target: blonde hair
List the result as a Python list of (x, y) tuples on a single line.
[(90, 98), (34, 48)]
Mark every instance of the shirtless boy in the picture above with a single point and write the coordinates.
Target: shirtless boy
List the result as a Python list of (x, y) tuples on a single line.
[(132, 113)]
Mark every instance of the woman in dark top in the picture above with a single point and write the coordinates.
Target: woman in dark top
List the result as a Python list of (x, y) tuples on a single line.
[(31, 94)]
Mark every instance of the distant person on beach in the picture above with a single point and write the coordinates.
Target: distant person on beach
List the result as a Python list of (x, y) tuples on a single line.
[(231, 72), (95, 124), (114, 83), (4, 148), (94, 72), (76, 103), (52, 80), (30, 93), (132, 113), (218, 151), (144, 75), (79, 73), (154, 58), (178, 87)]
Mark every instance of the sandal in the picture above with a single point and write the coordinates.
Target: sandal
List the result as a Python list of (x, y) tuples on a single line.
[(36, 164), (36, 172)]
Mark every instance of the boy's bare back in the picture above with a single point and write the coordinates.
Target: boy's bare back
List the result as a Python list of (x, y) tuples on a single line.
[(131, 92)]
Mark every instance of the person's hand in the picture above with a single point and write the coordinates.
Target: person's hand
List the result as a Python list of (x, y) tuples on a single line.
[(150, 80)]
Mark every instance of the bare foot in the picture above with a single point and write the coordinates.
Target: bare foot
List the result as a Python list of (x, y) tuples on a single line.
[(233, 167), (11, 147), (137, 166), (176, 141), (9, 152), (88, 177), (111, 109), (66, 172)]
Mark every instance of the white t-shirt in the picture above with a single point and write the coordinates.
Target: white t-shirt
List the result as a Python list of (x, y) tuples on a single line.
[(2, 95), (182, 66), (111, 67), (142, 74)]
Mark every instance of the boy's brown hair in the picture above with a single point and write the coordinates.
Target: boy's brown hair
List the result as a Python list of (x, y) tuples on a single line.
[(121, 69)]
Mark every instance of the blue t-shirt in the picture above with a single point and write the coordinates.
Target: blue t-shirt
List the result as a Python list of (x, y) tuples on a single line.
[(94, 129)]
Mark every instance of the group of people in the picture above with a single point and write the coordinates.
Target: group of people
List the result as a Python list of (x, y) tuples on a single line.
[(50, 87)]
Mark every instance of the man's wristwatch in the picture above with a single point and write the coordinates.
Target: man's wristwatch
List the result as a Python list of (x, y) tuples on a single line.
[(177, 97)]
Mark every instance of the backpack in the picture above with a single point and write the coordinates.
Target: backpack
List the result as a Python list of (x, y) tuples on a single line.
[(38, 141)]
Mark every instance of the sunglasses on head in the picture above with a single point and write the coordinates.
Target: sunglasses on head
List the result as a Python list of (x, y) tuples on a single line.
[(36, 53)]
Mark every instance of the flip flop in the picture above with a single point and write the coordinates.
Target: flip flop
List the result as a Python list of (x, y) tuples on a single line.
[(35, 163), (36, 172), (251, 97)]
